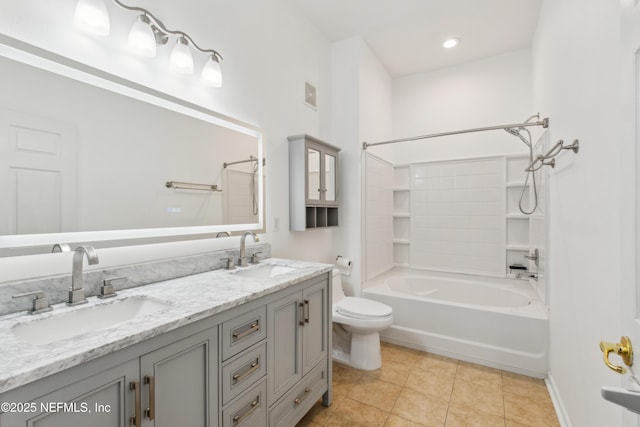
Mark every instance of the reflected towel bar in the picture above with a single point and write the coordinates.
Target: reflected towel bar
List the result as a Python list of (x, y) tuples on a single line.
[(177, 185), (251, 159)]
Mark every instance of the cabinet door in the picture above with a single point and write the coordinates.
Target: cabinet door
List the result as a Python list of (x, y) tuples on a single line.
[(284, 342), (179, 383), (314, 177), (330, 188), (314, 335), (101, 400)]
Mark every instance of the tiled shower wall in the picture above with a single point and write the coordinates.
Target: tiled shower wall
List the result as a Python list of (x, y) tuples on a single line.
[(378, 216), (457, 216)]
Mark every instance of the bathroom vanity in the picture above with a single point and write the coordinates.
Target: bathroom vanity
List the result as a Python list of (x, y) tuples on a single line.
[(247, 347)]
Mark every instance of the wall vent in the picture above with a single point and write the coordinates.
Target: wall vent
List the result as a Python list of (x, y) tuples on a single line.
[(310, 97)]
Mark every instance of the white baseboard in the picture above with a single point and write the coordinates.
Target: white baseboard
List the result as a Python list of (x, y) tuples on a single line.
[(563, 417)]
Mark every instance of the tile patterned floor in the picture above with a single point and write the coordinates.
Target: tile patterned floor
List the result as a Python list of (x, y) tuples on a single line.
[(414, 388)]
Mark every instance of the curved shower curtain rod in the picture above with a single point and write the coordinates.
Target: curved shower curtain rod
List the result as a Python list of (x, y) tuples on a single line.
[(544, 123)]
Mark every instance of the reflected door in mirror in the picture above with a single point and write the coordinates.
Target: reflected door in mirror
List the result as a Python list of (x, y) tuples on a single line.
[(37, 174)]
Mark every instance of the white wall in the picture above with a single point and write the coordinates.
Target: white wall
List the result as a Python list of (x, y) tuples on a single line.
[(576, 83), (269, 52), (378, 216), (488, 92), (361, 95)]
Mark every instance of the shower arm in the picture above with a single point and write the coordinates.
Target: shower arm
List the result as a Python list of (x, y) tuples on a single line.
[(544, 123)]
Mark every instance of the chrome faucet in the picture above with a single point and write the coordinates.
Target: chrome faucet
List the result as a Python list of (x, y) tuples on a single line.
[(76, 292), (242, 262), (60, 247)]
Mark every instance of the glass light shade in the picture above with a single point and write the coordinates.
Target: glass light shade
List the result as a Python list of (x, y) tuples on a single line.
[(211, 73), (181, 59), (92, 16), (141, 37)]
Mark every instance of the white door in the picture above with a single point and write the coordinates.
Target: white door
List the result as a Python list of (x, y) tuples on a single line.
[(630, 288), (37, 175)]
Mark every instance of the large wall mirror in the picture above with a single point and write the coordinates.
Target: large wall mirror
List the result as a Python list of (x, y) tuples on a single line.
[(89, 157)]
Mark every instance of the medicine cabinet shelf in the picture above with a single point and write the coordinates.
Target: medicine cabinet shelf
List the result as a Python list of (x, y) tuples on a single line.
[(313, 183), (321, 217)]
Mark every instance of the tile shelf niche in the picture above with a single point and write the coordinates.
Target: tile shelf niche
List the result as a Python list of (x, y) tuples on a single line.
[(518, 227), (313, 183), (401, 215)]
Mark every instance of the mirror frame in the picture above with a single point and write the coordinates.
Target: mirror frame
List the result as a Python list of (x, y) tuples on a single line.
[(25, 53)]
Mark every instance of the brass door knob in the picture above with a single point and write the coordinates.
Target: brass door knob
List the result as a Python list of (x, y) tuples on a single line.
[(623, 349)]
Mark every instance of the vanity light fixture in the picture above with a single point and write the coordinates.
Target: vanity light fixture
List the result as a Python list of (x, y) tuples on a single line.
[(181, 59), (211, 73), (141, 37), (146, 34), (92, 16), (450, 43)]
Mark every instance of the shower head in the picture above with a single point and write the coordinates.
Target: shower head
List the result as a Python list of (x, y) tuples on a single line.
[(512, 131), (516, 132)]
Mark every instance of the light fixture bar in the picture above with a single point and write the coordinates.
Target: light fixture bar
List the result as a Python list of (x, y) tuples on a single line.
[(160, 27)]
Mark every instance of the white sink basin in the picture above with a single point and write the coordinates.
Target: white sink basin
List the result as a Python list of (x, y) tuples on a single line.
[(68, 324), (265, 271)]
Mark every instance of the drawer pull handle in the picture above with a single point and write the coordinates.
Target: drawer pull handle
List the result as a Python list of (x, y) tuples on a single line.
[(301, 314), (150, 412), (306, 311), (135, 420), (300, 398), (255, 327), (252, 368), (237, 419)]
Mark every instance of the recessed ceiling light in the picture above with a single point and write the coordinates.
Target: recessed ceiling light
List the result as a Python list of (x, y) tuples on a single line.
[(449, 43)]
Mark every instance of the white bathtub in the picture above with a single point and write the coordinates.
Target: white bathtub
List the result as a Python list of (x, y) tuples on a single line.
[(494, 322)]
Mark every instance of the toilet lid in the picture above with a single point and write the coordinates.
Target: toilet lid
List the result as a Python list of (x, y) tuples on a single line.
[(362, 307)]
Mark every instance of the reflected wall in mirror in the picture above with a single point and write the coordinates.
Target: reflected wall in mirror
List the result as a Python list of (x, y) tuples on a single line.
[(76, 158)]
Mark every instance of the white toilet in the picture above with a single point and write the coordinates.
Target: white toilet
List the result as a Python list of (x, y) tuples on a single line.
[(356, 323)]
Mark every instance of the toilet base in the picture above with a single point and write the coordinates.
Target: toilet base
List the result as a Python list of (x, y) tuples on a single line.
[(365, 352)]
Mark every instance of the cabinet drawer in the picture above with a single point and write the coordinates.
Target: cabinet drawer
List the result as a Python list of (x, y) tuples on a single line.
[(243, 371), (250, 409), (243, 331), (293, 405)]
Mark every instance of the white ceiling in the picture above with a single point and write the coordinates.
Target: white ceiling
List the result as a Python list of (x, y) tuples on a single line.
[(407, 35)]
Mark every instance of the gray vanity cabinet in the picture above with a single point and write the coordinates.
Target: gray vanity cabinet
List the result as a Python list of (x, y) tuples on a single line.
[(99, 400), (171, 386), (262, 363), (179, 383), (298, 351)]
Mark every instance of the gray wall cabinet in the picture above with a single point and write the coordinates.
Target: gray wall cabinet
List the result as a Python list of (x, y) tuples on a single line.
[(313, 183), (264, 363)]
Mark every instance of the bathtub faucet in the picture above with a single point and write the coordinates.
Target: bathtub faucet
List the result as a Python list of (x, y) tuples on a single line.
[(527, 275)]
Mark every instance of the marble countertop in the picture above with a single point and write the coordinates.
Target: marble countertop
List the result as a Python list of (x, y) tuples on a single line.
[(188, 299)]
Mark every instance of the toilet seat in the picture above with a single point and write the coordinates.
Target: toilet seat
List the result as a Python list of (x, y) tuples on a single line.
[(362, 308)]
